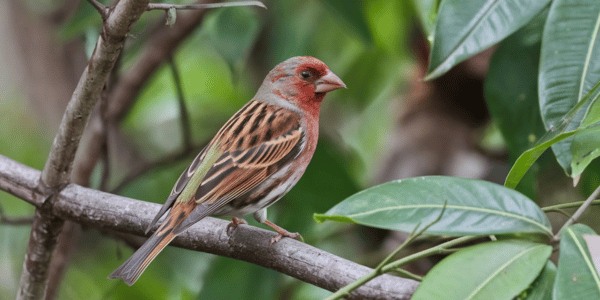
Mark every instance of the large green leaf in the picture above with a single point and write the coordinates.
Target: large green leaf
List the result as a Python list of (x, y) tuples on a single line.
[(511, 90), (577, 277), (471, 207), (465, 28), (496, 270), (585, 148), (557, 134), (541, 288), (569, 64), (232, 32), (511, 93)]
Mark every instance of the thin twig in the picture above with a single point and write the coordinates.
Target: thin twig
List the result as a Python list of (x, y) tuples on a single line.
[(102, 9), (167, 6), (345, 291), (413, 235), (439, 249), (408, 274), (141, 170), (578, 212), (559, 211), (184, 115), (14, 221), (568, 205)]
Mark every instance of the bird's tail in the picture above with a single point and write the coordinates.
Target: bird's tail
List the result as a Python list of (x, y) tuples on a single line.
[(133, 267)]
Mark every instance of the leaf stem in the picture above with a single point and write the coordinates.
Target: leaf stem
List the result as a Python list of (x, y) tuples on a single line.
[(380, 268), (409, 274), (568, 205), (441, 248), (397, 264)]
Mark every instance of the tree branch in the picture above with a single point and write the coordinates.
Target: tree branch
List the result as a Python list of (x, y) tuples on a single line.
[(167, 6), (184, 115), (57, 170), (300, 260), (159, 47)]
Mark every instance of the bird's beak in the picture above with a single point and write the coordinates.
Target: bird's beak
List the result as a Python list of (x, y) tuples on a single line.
[(328, 83)]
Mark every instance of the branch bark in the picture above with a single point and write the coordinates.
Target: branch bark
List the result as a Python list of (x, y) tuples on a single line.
[(57, 170), (300, 260), (157, 50)]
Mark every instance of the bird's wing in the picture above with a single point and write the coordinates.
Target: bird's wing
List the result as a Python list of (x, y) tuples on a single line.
[(249, 148)]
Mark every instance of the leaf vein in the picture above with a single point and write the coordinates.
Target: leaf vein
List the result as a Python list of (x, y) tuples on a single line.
[(467, 208)]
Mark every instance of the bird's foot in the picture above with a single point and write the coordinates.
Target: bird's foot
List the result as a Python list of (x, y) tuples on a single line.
[(282, 233), (235, 222)]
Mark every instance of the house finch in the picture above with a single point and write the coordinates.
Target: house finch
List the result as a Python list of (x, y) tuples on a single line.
[(254, 159)]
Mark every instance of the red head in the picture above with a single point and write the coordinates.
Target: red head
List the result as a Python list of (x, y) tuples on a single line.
[(301, 81)]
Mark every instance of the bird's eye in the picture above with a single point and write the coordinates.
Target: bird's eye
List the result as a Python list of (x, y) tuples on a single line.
[(305, 74)]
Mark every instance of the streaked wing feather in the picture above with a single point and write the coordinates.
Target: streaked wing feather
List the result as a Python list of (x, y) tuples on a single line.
[(253, 144), (179, 186)]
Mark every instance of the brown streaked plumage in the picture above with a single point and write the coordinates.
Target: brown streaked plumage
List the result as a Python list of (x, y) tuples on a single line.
[(253, 160)]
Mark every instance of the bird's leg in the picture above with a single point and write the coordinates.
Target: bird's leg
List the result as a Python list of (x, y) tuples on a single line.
[(261, 216), (235, 221)]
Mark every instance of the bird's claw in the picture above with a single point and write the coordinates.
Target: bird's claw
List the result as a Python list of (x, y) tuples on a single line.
[(280, 235), (235, 222)]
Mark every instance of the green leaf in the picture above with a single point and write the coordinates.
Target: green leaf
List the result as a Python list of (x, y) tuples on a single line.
[(541, 288), (232, 32), (351, 12), (593, 246), (472, 207), (465, 28), (585, 148), (592, 116), (496, 270), (561, 132), (577, 277), (569, 64), (510, 92)]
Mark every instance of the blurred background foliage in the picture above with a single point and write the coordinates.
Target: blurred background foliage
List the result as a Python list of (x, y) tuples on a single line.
[(375, 46)]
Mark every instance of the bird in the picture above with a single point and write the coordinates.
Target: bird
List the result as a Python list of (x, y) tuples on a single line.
[(258, 155)]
